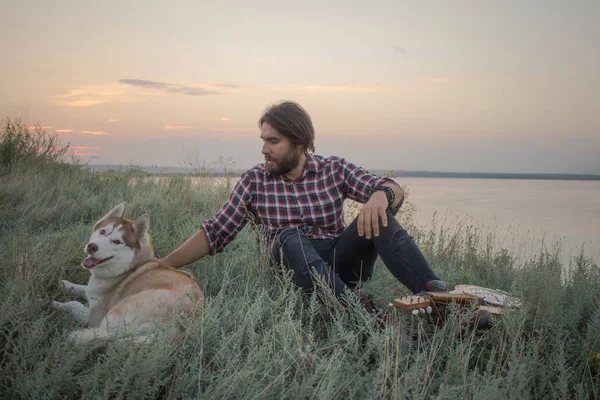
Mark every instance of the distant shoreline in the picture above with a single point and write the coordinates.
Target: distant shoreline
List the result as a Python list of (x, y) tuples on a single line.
[(490, 175), (392, 173)]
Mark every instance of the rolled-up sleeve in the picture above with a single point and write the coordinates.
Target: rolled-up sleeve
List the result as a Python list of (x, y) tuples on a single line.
[(358, 182), (231, 218)]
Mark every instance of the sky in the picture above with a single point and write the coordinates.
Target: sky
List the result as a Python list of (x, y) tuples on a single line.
[(458, 86)]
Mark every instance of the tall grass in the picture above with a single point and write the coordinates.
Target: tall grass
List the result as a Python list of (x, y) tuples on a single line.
[(258, 336)]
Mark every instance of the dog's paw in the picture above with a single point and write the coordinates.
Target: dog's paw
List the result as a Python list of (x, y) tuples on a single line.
[(75, 337), (57, 304), (67, 286), (86, 335)]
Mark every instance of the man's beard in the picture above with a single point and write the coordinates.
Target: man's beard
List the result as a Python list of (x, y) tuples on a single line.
[(289, 161)]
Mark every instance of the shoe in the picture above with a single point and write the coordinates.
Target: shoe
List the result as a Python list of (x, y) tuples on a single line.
[(482, 320), (436, 286), (367, 301)]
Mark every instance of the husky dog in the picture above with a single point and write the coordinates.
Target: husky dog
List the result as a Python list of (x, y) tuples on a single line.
[(129, 290)]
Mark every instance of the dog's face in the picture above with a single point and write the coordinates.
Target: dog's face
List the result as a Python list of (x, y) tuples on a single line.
[(115, 242)]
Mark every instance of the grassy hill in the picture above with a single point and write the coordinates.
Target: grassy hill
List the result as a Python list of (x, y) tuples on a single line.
[(258, 336)]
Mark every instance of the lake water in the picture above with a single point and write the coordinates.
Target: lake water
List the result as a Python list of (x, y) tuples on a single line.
[(523, 213)]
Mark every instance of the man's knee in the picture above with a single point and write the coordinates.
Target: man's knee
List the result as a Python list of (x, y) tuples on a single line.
[(285, 243), (285, 239), (393, 233), (393, 225)]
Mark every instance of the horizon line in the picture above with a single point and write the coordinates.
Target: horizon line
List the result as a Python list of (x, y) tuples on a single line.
[(397, 172)]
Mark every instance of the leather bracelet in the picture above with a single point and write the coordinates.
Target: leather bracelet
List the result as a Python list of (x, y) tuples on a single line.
[(389, 193)]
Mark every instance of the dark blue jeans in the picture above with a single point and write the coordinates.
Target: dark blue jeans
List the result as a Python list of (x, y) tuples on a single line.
[(349, 259)]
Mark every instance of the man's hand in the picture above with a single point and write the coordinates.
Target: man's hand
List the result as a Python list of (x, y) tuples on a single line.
[(371, 212)]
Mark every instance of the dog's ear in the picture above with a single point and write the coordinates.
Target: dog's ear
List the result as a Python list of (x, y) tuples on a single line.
[(118, 212), (140, 227)]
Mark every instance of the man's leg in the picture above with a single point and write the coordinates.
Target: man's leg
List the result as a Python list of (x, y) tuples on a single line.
[(352, 257), (397, 250), (299, 254)]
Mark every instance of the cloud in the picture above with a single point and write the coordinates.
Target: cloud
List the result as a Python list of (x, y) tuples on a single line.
[(227, 85), (96, 133), (79, 103), (171, 88), (225, 119), (34, 127), (79, 151), (64, 130), (177, 127), (399, 50), (128, 91), (88, 96), (72, 93), (113, 120)]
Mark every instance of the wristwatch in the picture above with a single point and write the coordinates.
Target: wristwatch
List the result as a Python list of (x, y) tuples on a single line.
[(389, 193)]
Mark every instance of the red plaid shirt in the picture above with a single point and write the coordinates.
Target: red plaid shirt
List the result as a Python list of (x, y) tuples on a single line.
[(313, 202)]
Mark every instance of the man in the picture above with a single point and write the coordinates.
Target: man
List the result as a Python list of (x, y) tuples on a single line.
[(297, 198)]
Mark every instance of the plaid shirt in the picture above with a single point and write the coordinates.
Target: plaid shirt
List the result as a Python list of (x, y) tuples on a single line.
[(313, 203)]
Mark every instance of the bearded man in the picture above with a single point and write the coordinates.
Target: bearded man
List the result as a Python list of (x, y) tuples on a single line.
[(296, 197)]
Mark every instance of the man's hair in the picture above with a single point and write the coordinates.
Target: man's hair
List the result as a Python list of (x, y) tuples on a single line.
[(292, 121)]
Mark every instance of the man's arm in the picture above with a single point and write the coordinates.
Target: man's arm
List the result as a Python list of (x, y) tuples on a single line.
[(215, 233), (196, 247), (358, 186), (398, 192)]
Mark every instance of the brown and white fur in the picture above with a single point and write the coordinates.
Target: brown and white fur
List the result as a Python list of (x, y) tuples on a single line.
[(129, 290)]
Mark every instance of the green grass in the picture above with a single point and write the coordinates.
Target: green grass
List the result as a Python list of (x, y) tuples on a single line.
[(258, 336)]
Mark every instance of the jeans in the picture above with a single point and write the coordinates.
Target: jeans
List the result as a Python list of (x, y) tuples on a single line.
[(349, 259)]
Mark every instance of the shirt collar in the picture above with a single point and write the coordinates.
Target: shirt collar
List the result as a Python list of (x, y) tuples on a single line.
[(311, 164)]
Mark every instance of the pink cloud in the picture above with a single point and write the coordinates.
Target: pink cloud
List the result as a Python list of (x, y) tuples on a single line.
[(33, 127), (176, 127), (79, 151), (94, 133), (79, 103)]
